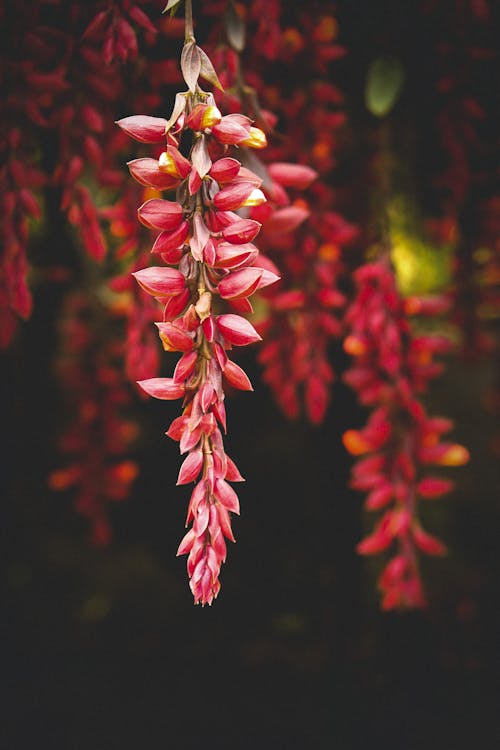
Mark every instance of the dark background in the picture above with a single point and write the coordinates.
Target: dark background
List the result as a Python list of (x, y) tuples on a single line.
[(105, 650)]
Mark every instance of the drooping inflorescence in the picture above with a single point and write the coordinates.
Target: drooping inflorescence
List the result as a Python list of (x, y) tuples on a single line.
[(391, 368), (209, 256)]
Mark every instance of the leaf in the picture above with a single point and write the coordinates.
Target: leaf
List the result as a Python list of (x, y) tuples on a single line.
[(200, 157), (384, 83), (207, 70), (179, 107), (235, 28), (172, 6), (191, 65)]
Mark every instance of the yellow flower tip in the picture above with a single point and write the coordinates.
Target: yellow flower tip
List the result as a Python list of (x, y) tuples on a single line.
[(456, 455), (354, 346), (256, 139), (149, 193), (256, 198), (167, 164), (211, 116), (355, 443)]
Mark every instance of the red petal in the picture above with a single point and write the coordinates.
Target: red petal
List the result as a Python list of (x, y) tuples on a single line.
[(190, 468), (227, 496)]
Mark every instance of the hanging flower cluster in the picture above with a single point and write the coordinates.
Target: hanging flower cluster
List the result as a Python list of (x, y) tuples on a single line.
[(209, 254), (301, 229), (392, 367), (99, 436)]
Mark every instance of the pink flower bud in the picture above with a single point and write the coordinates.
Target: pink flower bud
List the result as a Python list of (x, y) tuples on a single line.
[(185, 366), (160, 214), (175, 305), (144, 128), (171, 240), (232, 256), (285, 220), (146, 172), (241, 231), (226, 496), (224, 170), (432, 487), (237, 377), (162, 388), (161, 282), (296, 176), (237, 330), (428, 543), (175, 339), (241, 283), (232, 129), (233, 196), (190, 468)]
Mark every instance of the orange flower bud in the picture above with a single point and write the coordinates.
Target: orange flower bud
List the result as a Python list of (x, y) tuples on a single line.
[(354, 346), (355, 443)]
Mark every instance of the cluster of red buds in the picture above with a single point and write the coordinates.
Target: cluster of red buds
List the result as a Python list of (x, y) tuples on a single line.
[(392, 367), (98, 436), (299, 228), (209, 254), (18, 204)]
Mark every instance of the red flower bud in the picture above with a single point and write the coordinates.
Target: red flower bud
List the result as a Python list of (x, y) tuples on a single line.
[(163, 388), (175, 339), (237, 377), (241, 283), (232, 256), (161, 282), (232, 129), (233, 196), (147, 172), (237, 330), (160, 214), (292, 175), (225, 170), (241, 231), (144, 128), (171, 240)]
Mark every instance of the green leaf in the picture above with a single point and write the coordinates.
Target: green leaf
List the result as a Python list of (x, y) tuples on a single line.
[(384, 83)]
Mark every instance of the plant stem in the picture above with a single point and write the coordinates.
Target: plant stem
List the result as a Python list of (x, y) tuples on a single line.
[(188, 29)]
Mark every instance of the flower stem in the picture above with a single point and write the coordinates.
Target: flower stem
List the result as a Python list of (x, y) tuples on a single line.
[(188, 29)]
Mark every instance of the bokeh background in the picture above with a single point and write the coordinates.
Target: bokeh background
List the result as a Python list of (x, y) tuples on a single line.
[(103, 648)]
